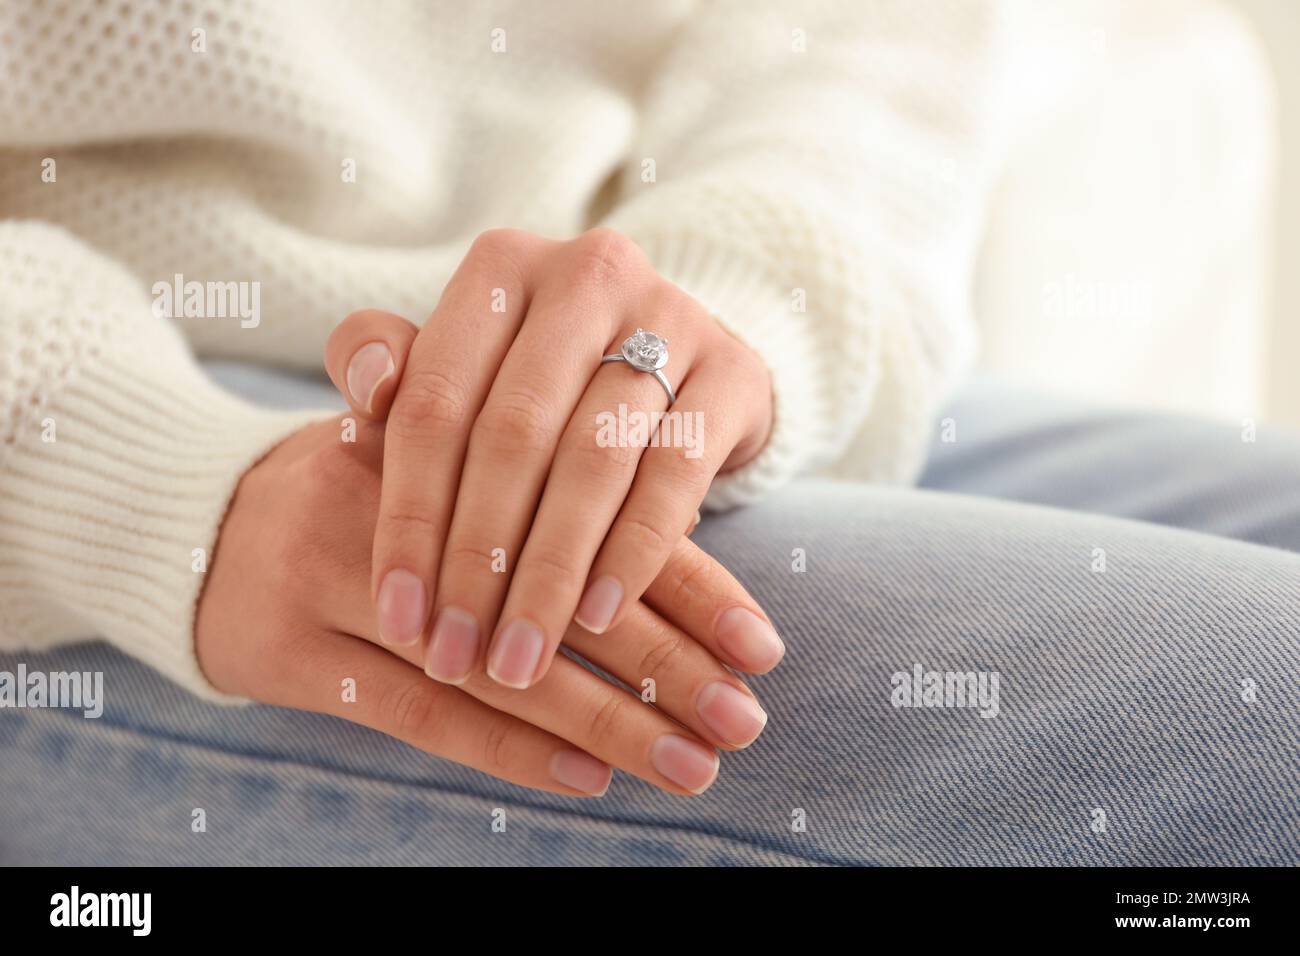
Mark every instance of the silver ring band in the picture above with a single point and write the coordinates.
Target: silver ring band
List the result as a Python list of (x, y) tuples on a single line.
[(659, 376)]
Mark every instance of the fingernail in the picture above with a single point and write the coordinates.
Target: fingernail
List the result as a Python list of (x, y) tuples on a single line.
[(684, 762), (370, 367), (749, 640), (581, 771), (695, 523), (454, 646), (516, 653), (401, 607), (599, 605), (730, 713)]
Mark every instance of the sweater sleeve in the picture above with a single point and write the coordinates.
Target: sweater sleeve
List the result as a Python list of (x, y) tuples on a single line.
[(119, 458), (813, 175)]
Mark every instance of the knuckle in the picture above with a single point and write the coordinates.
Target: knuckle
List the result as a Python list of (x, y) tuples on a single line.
[(662, 657), (605, 722), (324, 473), (601, 255), (411, 710), (556, 564), (608, 461), (643, 537), (693, 579), (496, 257), (467, 562), (428, 396), (516, 422), (498, 244), (405, 523), (498, 740), (683, 475)]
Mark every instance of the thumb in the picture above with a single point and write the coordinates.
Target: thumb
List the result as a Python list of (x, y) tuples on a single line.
[(365, 356)]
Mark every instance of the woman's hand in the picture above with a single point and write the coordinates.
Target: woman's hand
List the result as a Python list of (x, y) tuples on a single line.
[(286, 618), (555, 515)]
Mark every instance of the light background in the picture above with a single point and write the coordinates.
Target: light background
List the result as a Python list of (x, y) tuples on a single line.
[(1144, 240)]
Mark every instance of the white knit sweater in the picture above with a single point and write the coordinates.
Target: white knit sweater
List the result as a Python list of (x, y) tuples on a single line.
[(810, 171)]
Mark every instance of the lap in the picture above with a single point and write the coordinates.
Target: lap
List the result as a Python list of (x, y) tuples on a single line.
[(1218, 477), (1124, 730), (1155, 686)]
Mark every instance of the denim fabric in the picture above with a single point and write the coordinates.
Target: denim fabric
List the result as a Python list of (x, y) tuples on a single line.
[(1121, 690), (1155, 467)]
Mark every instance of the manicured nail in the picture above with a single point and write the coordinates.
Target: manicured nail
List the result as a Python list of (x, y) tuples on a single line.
[(582, 772), (516, 653), (402, 608), (454, 646), (684, 762), (599, 605), (730, 713), (371, 366), (749, 639)]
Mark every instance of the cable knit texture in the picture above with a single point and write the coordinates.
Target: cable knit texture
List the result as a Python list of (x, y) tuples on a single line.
[(810, 171)]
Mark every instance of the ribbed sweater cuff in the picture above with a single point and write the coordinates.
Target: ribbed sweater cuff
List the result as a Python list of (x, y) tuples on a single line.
[(108, 522), (758, 311)]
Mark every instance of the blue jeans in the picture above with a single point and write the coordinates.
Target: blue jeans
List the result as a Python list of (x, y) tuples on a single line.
[(1136, 593)]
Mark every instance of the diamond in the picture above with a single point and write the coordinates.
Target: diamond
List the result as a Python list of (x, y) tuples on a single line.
[(645, 351)]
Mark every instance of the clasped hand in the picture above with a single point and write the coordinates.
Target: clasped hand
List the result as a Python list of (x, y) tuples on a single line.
[(479, 520)]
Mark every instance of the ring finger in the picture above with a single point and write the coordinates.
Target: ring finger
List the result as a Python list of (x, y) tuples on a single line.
[(593, 469), (672, 479)]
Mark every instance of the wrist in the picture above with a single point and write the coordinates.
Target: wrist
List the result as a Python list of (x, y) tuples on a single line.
[(127, 487)]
